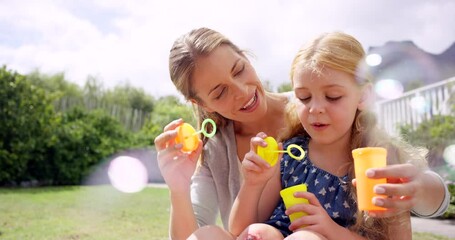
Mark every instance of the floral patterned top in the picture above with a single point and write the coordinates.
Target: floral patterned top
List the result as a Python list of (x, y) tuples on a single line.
[(331, 191)]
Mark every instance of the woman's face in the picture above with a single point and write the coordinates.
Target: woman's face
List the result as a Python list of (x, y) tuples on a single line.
[(327, 104), (226, 83)]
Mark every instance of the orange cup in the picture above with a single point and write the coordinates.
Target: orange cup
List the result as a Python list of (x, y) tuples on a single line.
[(186, 136), (289, 200), (365, 158)]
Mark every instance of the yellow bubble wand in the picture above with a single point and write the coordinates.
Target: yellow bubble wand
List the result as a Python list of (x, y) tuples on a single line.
[(188, 136), (270, 152)]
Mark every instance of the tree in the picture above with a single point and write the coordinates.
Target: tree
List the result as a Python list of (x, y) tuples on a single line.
[(285, 87)]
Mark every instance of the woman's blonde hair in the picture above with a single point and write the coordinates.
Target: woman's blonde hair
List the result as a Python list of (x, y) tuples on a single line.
[(344, 53), (182, 60)]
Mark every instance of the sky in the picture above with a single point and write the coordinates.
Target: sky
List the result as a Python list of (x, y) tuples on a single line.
[(122, 42)]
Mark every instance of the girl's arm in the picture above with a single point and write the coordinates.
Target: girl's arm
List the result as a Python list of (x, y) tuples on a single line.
[(251, 205), (317, 220)]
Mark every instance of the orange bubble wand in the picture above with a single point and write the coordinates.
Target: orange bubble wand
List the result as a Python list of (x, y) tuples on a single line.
[(188, 136), (270, 152)]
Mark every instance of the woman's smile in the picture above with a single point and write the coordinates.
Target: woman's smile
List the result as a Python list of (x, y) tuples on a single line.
[(252, 104)]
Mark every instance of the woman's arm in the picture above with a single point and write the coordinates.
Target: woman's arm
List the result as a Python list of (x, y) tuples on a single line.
[(182, 221), (420, 191), (430, 204), (177, 168)]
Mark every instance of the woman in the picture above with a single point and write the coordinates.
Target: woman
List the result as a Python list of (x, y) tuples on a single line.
[(215, 75)]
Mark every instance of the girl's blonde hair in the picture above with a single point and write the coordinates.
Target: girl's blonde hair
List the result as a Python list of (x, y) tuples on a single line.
[(182, 60), (344, 53)]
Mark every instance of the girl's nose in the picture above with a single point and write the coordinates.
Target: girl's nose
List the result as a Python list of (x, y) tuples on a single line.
[(317, 107)]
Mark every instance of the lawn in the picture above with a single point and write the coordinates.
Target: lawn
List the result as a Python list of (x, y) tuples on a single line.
[(99, 212), (90, 212)]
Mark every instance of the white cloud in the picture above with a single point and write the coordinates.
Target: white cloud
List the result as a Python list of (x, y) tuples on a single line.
[(122, 41)]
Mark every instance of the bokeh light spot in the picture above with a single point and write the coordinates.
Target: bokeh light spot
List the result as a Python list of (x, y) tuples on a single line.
[(449, 154), (127, 174), (419, 104), (373, 59), (389, 88)]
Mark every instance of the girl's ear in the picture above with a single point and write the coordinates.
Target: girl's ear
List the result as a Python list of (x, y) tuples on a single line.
[(207, 109), (366, 99)]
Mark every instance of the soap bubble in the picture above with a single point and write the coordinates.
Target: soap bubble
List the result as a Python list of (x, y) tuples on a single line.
[(127, 174), (373, 59), (449, 154), (419, 104), (388, 88)]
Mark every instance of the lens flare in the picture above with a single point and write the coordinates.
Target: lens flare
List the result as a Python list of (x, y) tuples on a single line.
[(373, 59), (388, 88), (449, 154), (127, 174), (419, 104)]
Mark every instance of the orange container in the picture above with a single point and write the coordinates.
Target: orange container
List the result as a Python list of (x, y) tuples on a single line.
[(186, 136), (289, 200), (365, 158)]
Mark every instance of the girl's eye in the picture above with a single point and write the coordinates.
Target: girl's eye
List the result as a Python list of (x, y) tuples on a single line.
[(332, 99), (305, 99), (240, 71)]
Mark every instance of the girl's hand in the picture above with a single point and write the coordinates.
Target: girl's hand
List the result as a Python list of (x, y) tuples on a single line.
[(404, 186), (176, 166), (317, 219), (256, 171)]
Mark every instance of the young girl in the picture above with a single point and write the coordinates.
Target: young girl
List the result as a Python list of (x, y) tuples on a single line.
[(328, 120)]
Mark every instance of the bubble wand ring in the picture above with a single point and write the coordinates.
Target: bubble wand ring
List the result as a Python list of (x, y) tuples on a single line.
[(270, 152), (188, 136), (288, 151), (204, 128)]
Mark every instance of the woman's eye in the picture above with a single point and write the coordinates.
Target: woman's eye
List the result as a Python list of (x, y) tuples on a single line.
[(333, 98), (239, 71), (220, 94)]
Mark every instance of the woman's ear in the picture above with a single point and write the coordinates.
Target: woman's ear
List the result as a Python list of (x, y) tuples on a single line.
[(207, 109), (366, 98)]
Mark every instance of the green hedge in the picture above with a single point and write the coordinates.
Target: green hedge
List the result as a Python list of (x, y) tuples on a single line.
[(436, 134), (39, 146)]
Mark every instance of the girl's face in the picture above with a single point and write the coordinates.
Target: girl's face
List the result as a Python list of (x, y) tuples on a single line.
[(226, 83), (327, 104)]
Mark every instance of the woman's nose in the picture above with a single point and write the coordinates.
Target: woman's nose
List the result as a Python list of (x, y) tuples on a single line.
[(240, 90)]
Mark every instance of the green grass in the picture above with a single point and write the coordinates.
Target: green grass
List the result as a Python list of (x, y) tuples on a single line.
[(99, 212), (91, 212)]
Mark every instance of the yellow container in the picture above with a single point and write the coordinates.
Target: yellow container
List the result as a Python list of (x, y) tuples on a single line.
[(270, 152), (289, 200)]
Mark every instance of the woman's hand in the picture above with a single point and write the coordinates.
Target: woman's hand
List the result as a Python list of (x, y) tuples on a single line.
[(256, 171), (176, 166), (316, 220), (404, 187)]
